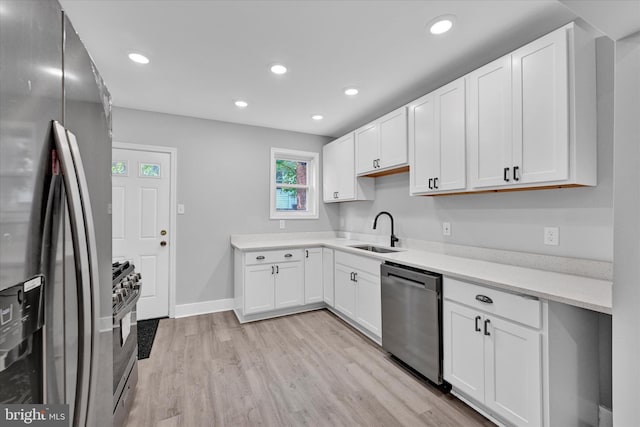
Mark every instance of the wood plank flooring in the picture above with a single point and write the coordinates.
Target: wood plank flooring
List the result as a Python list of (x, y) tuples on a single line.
[(309, 369)]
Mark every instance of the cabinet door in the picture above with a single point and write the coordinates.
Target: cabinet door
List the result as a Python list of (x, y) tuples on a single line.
[(344, 169), (329, 171), (258, 288), (368, 302), (422, 142), (449, 149), (313, 286), (345, 291), (289, 284), (541, 109), (367, 148), (327, 275), (489, 124), (392, 146), (463, 349), (513, 363)]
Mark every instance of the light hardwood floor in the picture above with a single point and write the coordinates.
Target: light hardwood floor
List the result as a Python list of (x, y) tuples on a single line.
[(308, 369)]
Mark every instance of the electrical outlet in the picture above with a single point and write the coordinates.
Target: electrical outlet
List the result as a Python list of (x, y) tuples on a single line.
[(446, 229), (282, 224), (551, 236), (180, 209)]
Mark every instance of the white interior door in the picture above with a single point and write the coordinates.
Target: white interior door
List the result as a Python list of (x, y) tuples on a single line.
[(141, 203)]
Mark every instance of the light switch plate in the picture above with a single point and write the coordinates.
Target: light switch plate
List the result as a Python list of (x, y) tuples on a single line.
[(446, 229), (551, 236), (180, 209)]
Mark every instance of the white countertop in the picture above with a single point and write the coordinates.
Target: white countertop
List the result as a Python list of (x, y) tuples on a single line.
[(585, 292)]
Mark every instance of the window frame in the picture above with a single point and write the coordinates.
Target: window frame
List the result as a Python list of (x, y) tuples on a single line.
[(312, 186)]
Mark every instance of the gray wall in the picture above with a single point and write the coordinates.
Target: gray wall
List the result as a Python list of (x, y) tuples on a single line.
[(626, 268), (223, 181), (509, 221)]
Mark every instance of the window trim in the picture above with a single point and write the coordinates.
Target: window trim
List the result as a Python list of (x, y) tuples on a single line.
[(312, 159)]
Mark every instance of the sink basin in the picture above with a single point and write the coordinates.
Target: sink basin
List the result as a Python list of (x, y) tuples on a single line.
[(377, 249)]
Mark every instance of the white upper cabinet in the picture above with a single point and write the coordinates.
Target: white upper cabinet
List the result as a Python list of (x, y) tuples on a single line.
[(381, 146), (437, 140), (338, 173), (531, 115), (541, 110), (489, 124)]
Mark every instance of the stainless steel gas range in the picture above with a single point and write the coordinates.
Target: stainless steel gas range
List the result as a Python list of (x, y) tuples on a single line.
[(126, 292)]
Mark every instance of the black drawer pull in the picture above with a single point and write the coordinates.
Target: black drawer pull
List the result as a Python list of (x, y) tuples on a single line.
[(484, 298), (486, 331), (478, 326), (260, 257), (288, 255), (515, 173), (506, 174)]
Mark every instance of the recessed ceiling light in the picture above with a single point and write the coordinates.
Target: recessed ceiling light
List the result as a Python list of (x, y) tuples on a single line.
[(441, 24), (278, 69), (351, 91), (139, 58), (317, 117), (241, 104)]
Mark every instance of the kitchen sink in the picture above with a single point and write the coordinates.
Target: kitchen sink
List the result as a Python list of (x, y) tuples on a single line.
[(377, 249)]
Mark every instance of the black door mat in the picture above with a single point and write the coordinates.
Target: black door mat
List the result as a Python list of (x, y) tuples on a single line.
[(146, 334)]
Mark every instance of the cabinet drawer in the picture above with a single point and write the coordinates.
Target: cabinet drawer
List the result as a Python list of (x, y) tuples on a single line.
[(518, 308), (270, 257), (356, 262)]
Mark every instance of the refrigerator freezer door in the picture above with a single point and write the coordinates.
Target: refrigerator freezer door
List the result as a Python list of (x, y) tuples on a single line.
[(30, 97)]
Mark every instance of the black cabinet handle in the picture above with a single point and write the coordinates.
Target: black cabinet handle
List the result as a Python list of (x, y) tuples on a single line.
[(355, 276), (307, 253), (484, 298), (288, 255), (277, 269), (505, 174), (478, 326), (260, 257), (435, 183), (374, 163), (378, 162), (351, 276), (515, 173), (273, 270), (430, 184), (486, 331)]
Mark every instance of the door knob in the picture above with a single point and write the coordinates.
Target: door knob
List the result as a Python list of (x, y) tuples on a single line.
[(163, 243), (163, 232)]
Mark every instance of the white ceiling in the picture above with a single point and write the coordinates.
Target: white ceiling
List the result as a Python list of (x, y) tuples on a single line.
[(207, 54)]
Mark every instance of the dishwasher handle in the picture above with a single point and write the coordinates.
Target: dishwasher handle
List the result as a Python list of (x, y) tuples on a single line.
[(412, 277)]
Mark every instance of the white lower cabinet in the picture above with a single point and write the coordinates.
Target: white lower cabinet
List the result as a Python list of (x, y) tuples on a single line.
[(259, 286), (313, 275), (494, 361), (357, 290), (289, 279), (522, 361), (345, 290), (327, 276)]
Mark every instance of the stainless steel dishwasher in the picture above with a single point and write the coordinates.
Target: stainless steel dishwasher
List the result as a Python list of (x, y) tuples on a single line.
[(412, 318)]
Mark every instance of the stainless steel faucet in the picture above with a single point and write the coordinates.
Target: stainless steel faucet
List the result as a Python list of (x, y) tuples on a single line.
[(394, 239)]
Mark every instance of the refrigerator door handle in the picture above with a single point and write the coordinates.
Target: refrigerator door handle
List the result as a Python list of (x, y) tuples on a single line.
[(94, 284), (77, 221)]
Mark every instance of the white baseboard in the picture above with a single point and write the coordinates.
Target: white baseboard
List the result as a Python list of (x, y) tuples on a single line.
[(605, 417), (204, 307)]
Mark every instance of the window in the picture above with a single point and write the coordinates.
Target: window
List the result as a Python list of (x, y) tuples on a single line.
[(294, 184)]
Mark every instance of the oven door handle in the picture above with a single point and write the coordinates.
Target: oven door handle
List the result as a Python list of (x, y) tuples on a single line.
[(117, 316)]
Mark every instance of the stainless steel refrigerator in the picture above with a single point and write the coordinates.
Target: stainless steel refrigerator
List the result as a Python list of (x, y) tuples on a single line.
[(55, 222)]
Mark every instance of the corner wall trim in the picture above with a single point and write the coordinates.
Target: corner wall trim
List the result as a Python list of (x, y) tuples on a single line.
[(203, 307)]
